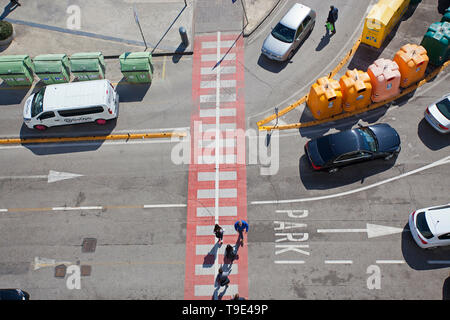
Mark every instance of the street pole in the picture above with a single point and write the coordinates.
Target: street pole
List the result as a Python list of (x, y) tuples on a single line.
[(136, 18)]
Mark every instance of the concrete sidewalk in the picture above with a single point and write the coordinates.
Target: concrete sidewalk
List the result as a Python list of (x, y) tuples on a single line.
[(109, 26)]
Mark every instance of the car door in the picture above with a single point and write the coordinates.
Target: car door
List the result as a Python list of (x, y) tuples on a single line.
[(47, 119), (352, 157), (307, 25), (444, 239), (346, 159), (299, 35)]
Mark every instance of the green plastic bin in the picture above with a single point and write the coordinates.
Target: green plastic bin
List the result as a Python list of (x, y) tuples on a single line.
[(136, 67), (16, 70), (437, 42), (52, 68), (87, 66), (446, 16)]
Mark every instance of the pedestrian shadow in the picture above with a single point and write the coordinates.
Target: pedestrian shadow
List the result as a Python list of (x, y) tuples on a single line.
[(324, 41), (8, 9), (210, 257), (216, 295)]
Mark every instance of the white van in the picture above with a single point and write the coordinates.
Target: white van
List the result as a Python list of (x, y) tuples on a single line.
[(71, 103)]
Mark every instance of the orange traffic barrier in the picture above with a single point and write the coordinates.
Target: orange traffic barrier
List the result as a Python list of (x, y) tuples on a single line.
[(356, 90), (325, 98), (385, 77), (412, 62)]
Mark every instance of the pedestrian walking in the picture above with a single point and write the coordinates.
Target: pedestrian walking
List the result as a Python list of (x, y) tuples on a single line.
[(229, 252), (237, 297), (14, 2), (218, 231), (332, 18), (222, 277), (240, 226)]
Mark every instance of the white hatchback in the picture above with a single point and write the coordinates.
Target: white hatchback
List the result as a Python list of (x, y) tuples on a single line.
[(438, 114), (430, 227)]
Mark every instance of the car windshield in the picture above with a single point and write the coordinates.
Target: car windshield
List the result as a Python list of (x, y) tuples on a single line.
[(368, 138), (444, 107), (283, 33), (422, 225), (36, 104), (324, 148)]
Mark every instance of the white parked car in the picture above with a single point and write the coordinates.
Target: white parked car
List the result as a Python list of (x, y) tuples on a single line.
[(438, 114), (430, 227), (287, 35)]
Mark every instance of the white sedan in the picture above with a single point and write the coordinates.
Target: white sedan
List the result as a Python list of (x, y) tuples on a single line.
[(438, 114), (430, 227)]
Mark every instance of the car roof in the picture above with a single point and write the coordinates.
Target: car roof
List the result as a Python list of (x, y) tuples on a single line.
[(344, 142), (295, 16), (74, 94), (438, 219)]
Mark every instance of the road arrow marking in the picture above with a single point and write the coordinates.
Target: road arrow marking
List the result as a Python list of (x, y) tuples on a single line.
[(44, 262), (372, 230), (52, 176)]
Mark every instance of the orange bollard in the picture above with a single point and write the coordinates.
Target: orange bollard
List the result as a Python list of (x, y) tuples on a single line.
[(385, 78), (325, 98), (356, 90), (412, 61)]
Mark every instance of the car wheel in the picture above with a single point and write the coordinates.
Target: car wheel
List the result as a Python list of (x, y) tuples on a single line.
[(333, 170), (40, 127)]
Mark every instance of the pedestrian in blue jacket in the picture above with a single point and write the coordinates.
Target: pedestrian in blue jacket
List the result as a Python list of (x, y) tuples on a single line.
[(240, 226)]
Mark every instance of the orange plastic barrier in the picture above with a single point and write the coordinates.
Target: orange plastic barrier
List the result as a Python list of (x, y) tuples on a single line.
[(356, 90), (325, 98), (412, 61), (385, 77)]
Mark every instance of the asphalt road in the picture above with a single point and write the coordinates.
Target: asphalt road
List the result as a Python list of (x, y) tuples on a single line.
[(131, 196)]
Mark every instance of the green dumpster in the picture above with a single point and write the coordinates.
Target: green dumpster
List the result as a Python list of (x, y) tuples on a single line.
[(88, 66), (136, 67), (446, 16), (16, 70), (437, 42), (52, 68)]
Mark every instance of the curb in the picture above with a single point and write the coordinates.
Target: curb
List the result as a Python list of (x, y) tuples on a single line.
[(248, 34)]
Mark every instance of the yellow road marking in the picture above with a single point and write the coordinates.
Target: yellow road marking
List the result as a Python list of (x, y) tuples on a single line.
[(153, 135), (164, 68)]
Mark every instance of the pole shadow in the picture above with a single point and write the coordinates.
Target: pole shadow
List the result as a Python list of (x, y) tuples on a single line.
[(8, 9), (173, 22)]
